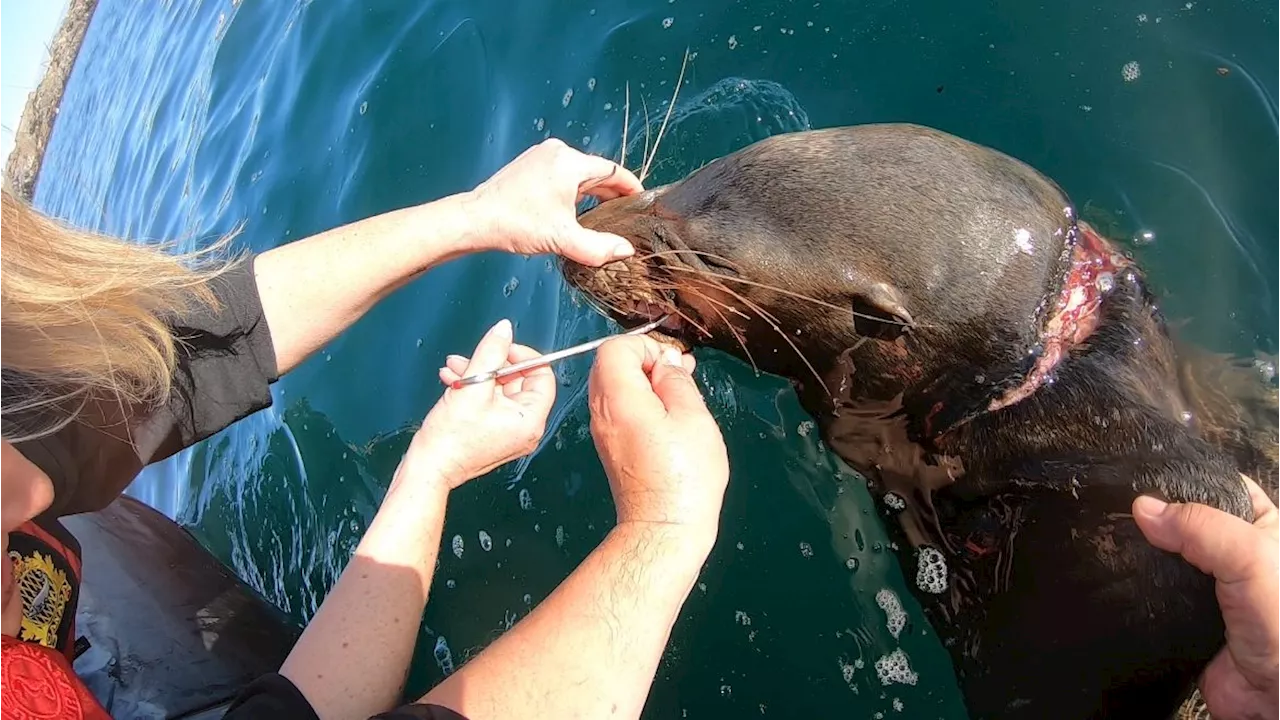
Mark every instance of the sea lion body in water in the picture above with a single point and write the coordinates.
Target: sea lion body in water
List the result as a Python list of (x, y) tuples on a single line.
[(970, 345)]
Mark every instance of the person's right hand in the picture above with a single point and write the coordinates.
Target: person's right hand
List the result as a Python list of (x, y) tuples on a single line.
[(1241, 681), (660, 447)]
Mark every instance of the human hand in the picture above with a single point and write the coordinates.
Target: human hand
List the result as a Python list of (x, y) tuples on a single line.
[(660, 447), (528, 207), (1241, 681), (475, 428)]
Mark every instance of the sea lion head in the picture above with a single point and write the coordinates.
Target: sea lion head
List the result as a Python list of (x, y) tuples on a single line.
[(902, 250)]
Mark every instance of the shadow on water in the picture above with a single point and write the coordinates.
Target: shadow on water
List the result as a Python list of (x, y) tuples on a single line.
[(1159, 118)]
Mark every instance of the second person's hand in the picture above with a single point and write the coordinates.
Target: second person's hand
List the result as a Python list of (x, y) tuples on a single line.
[(662, 450)]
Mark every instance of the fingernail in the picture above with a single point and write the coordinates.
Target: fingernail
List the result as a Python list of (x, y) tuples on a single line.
[(1149, 506), (671, 356), (455, 358), (622, 250), (503, 329)]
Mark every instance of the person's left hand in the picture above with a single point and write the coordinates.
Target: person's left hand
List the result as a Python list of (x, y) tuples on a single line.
[(528, 207), (475, 428)]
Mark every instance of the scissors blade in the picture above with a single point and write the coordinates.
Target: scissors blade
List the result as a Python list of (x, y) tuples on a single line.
[(552, 356)]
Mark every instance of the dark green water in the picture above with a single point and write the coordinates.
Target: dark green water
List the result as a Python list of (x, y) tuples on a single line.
[(184, 119)]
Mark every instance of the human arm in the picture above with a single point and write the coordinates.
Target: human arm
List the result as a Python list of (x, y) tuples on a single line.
[(592, 647), (1241, 681), (352, 658), (313, 289)]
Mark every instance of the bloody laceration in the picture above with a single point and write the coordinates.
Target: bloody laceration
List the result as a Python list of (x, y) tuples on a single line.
[(1094, 264)]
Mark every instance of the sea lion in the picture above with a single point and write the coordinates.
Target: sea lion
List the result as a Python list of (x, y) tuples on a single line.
[(998, 371)]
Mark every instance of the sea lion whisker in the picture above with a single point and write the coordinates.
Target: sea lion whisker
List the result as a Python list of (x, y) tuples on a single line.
[(800, 296), (648, 163), (771, 321), (644, 105), (736, 335), (626, 118)]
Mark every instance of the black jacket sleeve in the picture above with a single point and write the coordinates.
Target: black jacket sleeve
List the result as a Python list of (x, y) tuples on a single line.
[(274, 696), (225, 367)]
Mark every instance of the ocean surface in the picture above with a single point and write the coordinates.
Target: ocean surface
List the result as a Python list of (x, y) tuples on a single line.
[(186, 119)]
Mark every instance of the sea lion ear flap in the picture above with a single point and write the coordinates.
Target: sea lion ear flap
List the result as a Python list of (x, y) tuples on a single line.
[(878, 312)]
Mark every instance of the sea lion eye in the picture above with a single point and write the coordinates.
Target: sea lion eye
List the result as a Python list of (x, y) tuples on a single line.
[(870, 320), (878, 313)]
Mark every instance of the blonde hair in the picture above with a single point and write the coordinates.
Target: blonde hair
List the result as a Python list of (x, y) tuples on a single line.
[(84, 317)]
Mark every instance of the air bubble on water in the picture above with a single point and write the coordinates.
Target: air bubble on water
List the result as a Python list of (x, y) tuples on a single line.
[(851, 564), (726, 690), (1105, 281), (510, 287), (846, 671), (857, 539), (741, 618), (537, 527), (1131, 71), (931, 571), (560, 536), (1266, 369), (806, 549), (1142, 18), (805, 428), (419, 344), (526, 500), (364, 107), (756, 28), (539, 123), (457, 545), (809, 24), (328, 357), (450, 584), (1087, 108), (586, 140), (444, 658), (591, 84), (895, 616), (897, 705), (528, 599), (894, 501), (667, 22), (608, 106), (895, 668), (568, 98), (486, 542), (1146, 237), (733, 42), (702, 586)]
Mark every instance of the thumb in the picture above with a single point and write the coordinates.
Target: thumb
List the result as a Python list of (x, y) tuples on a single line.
[(674, 385), (491, 352), (594, 248), (1216, 542)]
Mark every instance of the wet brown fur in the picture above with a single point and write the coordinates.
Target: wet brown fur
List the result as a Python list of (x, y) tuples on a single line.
[(875, 267)]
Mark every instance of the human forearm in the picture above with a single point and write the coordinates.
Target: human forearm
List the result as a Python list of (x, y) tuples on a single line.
[(592, 647), (352, 658), (313, 289)]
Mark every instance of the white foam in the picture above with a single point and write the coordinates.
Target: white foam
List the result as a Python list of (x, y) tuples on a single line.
[(895, 616), (806, 549), (457, 545), (1022, 238), (895, 501), (895, 668), (931, 571), (568, 98), (526, 500), (1131, 71)]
